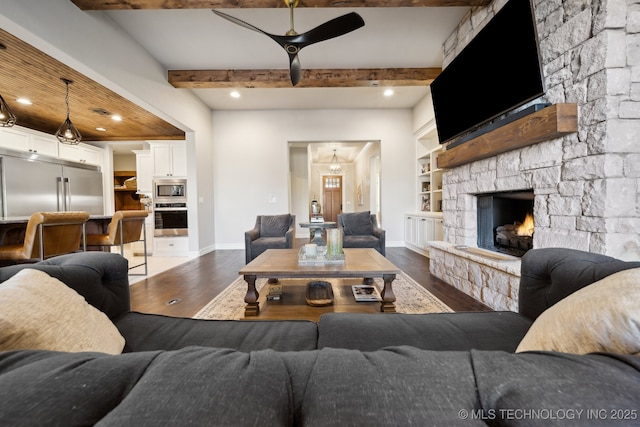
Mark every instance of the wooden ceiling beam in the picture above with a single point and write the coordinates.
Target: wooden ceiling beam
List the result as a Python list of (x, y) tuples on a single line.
[(365, 77), (265, 4)]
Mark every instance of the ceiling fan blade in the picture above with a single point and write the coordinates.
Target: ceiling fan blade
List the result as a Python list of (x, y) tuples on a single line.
[(240, 22), (295, 70), (334, 28)]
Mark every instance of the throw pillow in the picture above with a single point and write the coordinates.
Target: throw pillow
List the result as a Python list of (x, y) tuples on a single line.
[(604, 316), (39, 312), (357, 224)]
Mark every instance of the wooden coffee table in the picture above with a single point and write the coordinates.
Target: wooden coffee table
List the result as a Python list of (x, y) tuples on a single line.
[(283, 264)]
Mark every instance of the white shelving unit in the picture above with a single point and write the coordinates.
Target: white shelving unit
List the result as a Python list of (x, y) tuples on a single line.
[(429, 176), (425, 223)]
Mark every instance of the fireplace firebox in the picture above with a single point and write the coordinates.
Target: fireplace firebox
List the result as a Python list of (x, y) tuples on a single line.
[(505, 222)]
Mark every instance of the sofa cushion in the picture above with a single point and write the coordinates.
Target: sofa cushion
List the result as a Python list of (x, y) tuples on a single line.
[(194, 386), (436, 331), (604, 316), (38, 311), (357, 223), (397, 386), (145, 332), (274, 225), (369, 241), (545, 388)]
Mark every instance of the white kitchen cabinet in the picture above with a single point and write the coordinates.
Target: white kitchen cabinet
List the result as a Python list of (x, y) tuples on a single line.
[(81, 153), (17, 139), (169, 159), (144, 171), (410, 229), (171, 246), (420, 229)]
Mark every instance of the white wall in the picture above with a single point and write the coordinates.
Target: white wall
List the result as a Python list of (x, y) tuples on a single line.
[(94, 45), (251, 162)]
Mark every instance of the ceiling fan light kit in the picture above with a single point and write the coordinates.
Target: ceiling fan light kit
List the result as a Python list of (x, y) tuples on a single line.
[(292, 42), (67, 132), (7, 116)]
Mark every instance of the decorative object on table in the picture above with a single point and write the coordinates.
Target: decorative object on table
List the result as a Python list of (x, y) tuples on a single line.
[(361, 230), (275, 291), (269, 232), (334, 242), (315, 211), (319, 257), (364, 293), (67, 132), (311, 250), (319, 293), (292, 42)]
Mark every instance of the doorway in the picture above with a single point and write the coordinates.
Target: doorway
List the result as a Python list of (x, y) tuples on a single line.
[(332, 197), (359, 175)]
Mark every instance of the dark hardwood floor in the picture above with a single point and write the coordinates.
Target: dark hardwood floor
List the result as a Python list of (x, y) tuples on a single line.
[(183, 290)]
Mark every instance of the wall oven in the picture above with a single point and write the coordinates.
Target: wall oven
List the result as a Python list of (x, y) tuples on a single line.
[(170, 207)]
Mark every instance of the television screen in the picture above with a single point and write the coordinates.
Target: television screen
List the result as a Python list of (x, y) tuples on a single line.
[(498, 71)]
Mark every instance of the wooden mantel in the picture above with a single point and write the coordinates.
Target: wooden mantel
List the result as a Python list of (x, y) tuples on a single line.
[(549, 123)]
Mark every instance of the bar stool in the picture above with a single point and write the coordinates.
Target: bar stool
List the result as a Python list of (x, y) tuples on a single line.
[(48, 234), (125, 227)]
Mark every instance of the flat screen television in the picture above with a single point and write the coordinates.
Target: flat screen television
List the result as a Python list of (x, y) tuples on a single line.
[(498, 71)]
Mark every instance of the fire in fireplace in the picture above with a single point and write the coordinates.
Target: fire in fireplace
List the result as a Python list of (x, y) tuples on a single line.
[(515, 237), (505, 222)]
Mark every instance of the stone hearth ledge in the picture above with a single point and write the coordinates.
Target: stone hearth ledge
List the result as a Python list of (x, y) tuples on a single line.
[(493, 282)]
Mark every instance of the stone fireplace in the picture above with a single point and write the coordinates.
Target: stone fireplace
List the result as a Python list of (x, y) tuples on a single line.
[(584, 187)]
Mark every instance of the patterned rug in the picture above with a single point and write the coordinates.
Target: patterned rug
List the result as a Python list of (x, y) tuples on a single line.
[(411, 298)]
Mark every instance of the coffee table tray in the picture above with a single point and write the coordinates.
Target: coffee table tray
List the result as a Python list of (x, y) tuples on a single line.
[(303, 259)]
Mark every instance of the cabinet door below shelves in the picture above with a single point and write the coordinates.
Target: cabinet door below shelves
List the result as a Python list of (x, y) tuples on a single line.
[(410, 230), (425, 232)]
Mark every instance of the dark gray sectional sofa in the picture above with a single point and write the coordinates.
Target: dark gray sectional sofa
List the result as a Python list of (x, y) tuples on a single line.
[(347, 370)]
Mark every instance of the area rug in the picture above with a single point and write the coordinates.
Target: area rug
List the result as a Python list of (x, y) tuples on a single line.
[(411, 298)]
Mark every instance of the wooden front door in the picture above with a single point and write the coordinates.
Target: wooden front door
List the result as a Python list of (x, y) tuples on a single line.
[(332, 197)]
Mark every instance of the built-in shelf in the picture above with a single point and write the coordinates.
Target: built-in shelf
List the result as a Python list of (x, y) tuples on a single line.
[(552, 122)]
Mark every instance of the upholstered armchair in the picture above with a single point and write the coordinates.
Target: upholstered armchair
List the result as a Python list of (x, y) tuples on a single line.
[(270, 232), (361, 230)]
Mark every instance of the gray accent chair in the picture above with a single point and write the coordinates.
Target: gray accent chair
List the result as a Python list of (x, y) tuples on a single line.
[(270, 232), (361, 230)]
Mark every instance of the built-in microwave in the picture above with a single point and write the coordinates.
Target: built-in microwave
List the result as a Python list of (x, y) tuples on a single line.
[(169, 189)]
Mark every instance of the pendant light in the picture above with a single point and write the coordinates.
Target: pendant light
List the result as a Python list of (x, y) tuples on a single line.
[(67, 132), (335, 167), (7, 116)]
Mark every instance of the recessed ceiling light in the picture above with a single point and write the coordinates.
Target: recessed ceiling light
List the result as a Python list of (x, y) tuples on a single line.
[(116, 118), (235, 94), (24, 101), (388, 92), (101, 129)]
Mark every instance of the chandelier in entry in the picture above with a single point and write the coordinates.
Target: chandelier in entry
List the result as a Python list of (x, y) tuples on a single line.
[(335, 167)]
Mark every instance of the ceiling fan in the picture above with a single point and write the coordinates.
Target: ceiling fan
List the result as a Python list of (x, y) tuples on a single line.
[(292, 42)]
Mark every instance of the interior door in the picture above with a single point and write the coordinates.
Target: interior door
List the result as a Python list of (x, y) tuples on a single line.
[(332, 197)]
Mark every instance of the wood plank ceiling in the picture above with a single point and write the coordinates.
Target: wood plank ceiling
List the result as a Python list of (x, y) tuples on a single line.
[(277, 78), (27, 72)]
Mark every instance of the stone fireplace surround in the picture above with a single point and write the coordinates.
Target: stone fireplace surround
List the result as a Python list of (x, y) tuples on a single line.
[(586, 185)]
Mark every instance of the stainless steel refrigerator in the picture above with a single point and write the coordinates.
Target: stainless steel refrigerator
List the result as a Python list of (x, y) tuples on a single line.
[(30, 186)]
